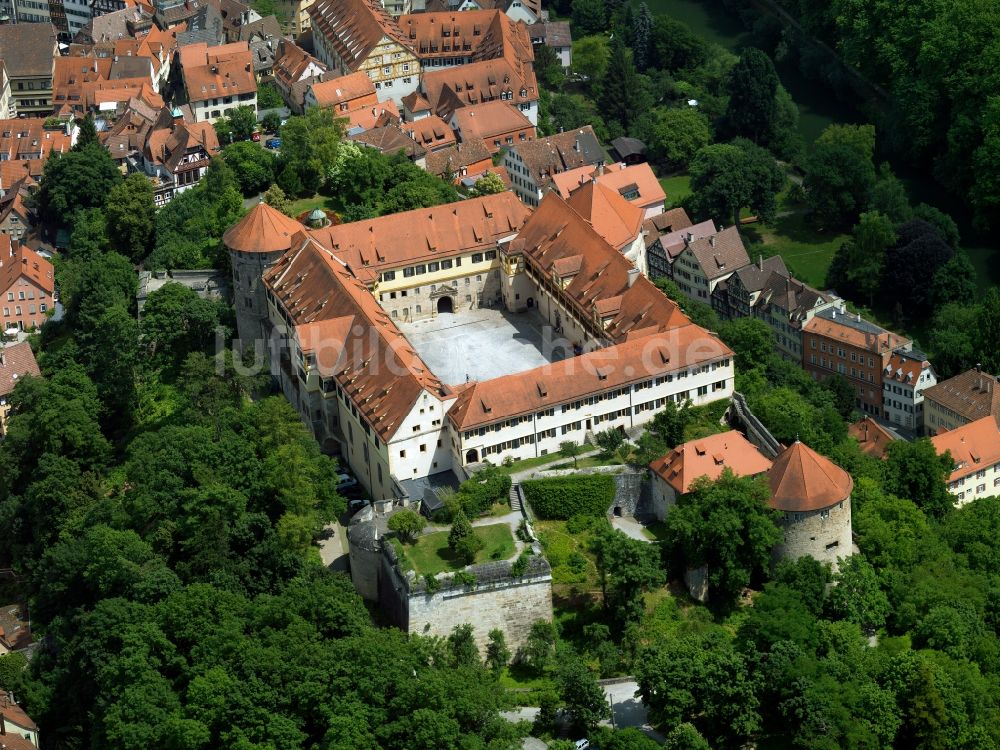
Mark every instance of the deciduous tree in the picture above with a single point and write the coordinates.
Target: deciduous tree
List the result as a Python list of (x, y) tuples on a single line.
[(407, 523), (725, 178), (132, 216)]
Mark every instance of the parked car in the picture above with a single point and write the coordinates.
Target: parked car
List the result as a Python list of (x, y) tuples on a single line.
[(273, 143), (582, 744), (255, 137), (355, 505), (344, 481)]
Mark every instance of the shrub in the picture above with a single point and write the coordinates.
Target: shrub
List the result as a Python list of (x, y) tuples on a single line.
[(522, 532), (433, 584), (560, 498), (484, 488), (520, 566), (468, 547), (465, 578)]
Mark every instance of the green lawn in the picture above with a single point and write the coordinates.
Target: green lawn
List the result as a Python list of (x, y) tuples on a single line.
[(807, 251), (430, 553), (308, 204), (588, 462), (677, 188)]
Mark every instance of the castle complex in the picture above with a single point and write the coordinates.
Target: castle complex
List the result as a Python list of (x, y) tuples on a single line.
[(333, 304)]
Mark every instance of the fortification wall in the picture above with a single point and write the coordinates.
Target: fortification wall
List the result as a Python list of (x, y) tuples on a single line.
[(497, 600)]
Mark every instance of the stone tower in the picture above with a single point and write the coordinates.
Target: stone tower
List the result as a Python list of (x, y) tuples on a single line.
[(254, 243), (814, 497)]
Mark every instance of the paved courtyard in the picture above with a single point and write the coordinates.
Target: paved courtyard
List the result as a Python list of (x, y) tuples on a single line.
[(479, 344)]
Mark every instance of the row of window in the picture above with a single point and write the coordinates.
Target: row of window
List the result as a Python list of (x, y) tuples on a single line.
[(20, 295), (434, 266), (31, 310)]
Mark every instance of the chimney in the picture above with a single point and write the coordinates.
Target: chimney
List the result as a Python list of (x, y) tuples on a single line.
[(633, 274), (760, 262), (834, 313), (711, 240), (979, 366), (600, 169)]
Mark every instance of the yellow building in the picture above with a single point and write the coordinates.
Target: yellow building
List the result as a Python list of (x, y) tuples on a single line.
[(359, 35)]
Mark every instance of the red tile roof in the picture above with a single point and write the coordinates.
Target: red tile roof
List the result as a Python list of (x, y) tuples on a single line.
[(872, 437), (423, 234), (708, 457), (16, 361), (618, 177), (577, 377), (490, 120), (354, 28), (802, 481), (449, 89), (356, 90), (555, 231), (614, 218), (263, 230), (973, 447), (340, 324), (211, 72), (18, 261), (431, 132)]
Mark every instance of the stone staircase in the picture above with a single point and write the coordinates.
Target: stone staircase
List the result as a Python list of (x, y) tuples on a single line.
[(515, 498)]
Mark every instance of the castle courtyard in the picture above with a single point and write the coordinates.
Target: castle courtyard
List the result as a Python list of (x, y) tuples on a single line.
[(481, 344)]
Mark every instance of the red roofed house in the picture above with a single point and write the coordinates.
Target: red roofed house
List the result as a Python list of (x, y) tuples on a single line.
[(177, 154), (637, 184), (27, 283), (16, 362), (873, 438), (432, 133), (674, 474), (293, 64), (218, 79), (975, 452), (345, 94), (498, 124), (19, 731), (904, 379)]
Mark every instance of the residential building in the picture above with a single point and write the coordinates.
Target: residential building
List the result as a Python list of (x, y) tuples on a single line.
[(528, 11), (344, 94), (957, 401), (786, 305), (496, 123), (837, 342), (293, 64), (8, 106), (705, 262), (469, 159), (389, 138), (28, 51), (668, 227), (508, 78), (352, 36), (89, 84), (432, 133), (617, 221), (236, 16), (130, 22), (21, 731), (15, 218), (531, 165), (27, 139), (906, 376), (176, 156), (218, 79), (16, 362), (27, 283), (295, 19), (675, 473), (557, 35), (975, 454), (766, 290), (380, 115), (873, 438), (637, 184)]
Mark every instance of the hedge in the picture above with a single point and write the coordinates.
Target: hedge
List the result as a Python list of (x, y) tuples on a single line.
[(484, 488), (560, 498)]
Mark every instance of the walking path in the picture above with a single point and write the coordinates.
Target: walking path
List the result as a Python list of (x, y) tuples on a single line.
[(626, 707)]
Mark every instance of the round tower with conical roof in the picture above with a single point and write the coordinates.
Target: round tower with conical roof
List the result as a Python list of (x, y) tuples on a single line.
[(814, 497), (254, 243)]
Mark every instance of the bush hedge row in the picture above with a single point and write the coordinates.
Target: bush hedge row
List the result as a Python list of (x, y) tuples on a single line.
[(560, 498)]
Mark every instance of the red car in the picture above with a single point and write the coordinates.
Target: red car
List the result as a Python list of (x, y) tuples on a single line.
[(255, 137)]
